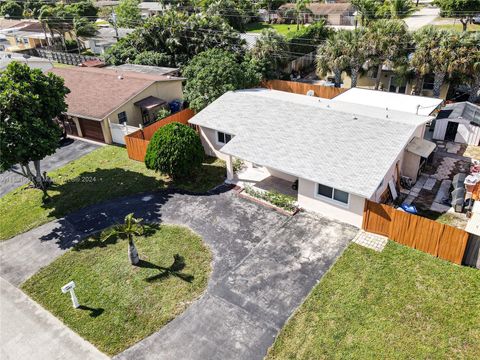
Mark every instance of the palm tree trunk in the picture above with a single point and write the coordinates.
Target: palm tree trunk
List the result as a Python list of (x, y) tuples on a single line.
[(338, 77), (354, 77), (379, 75), (437, 83), (132, 252), (474, 89)]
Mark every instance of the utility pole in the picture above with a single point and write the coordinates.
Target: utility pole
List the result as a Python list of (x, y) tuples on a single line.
[(114, 20)]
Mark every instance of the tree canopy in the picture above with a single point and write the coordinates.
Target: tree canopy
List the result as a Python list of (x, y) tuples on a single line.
[(214, 72), (12, 9), (461, 9), (176, 150), (176, 35), (29, 101), (128, 14)]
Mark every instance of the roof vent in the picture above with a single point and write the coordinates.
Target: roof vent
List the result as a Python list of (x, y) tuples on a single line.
[(120, 77), (355, 117), (386, 116)]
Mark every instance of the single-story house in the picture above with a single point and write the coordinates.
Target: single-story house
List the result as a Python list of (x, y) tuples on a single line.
[(105, 38), (149, 9), (340, 153), (458, 122), (28, 34), (332, 13), (101, 97)]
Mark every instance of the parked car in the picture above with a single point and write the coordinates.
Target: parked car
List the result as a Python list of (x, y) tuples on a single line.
[(476, 19)]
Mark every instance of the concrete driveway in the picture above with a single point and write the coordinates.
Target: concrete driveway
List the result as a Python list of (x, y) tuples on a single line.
[(265, 264), (421, 18), (63, 155)]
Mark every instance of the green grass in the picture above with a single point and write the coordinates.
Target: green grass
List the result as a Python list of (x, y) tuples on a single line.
[(288, 30), (122, 303), (105, 173), (397, 304), (459, 27)]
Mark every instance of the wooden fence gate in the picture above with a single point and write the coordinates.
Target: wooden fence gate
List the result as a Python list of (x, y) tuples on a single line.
[(440, 240)]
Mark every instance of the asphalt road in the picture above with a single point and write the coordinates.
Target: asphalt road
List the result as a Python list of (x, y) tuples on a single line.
[(63, 155)]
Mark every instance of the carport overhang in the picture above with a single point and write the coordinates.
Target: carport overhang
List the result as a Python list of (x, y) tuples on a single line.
[(421, 147)]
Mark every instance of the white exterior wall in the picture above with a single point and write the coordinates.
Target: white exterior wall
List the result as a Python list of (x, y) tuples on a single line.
[(466, 133), (120, 131), (210, 144), (351, 213)]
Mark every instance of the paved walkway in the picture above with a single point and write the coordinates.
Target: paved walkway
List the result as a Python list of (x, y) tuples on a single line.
[(27, 331), (265, 264), (421, 18), (63, 155)]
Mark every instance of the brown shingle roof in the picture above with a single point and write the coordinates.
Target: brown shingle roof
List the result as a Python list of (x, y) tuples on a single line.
[(96, 92)]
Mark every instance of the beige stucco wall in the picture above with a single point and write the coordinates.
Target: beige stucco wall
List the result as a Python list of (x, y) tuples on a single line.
[(351, 213), (166, 90), (365, 81)]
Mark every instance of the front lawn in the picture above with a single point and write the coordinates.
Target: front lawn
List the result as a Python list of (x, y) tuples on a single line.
[(104, 174), (121, 303), (397, 304), (458, 27), (284, 29)]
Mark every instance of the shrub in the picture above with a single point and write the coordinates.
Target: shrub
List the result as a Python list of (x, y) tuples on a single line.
[(273, 197), (175, 149), (163, 113)]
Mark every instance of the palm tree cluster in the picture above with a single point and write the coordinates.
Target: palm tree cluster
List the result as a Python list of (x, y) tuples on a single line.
[(388, 44)]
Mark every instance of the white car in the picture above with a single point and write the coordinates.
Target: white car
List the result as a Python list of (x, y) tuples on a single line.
[(476, 19)]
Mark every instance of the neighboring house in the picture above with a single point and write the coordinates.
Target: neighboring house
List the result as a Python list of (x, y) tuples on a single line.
[(101, 97), (149, 9), (340, 153), (26, 35), (105, 38), (146, 69), (458, 122), (332, 13), (389, 82), (31, 61)]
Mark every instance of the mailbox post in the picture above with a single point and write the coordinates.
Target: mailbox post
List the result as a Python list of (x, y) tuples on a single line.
[(70, 288)]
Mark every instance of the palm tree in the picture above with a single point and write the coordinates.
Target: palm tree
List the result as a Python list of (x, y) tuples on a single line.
[(132, 226), (386, 43), (270, 50), (444, 58), (330, 57), (301, 9), (468, 62), (426, 39), (352, 46)]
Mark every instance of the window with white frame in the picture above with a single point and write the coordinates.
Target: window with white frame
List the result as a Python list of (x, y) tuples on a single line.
[(223, 138), (331, 193)]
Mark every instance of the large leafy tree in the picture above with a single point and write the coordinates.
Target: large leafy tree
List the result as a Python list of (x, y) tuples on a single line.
[(270, 53), (176, 150), (386, 43), (307, 38), (29, 101), (464, 10), (178, 36), (395, 9), (236, 13), (128, 14), (11, 8), (214, 72)]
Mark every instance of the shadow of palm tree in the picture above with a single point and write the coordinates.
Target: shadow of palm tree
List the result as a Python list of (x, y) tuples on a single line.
[(173, 270)]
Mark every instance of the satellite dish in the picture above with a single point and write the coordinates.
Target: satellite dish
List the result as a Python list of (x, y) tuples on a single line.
[(310, 93)]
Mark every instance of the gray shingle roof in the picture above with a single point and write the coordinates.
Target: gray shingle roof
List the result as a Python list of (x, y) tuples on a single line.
[(346, 146)]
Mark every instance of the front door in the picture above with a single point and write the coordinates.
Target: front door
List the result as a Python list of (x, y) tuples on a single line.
[(451, 131)]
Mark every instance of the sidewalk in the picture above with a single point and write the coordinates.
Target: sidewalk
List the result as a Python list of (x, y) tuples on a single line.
[(27, 331)]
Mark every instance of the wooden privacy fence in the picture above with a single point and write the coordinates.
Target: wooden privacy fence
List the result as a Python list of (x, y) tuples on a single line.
[(325, 92), (440, 240), (137, 142)]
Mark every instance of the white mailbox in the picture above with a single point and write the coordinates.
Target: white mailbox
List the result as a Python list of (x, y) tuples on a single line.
[(70, 288)]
